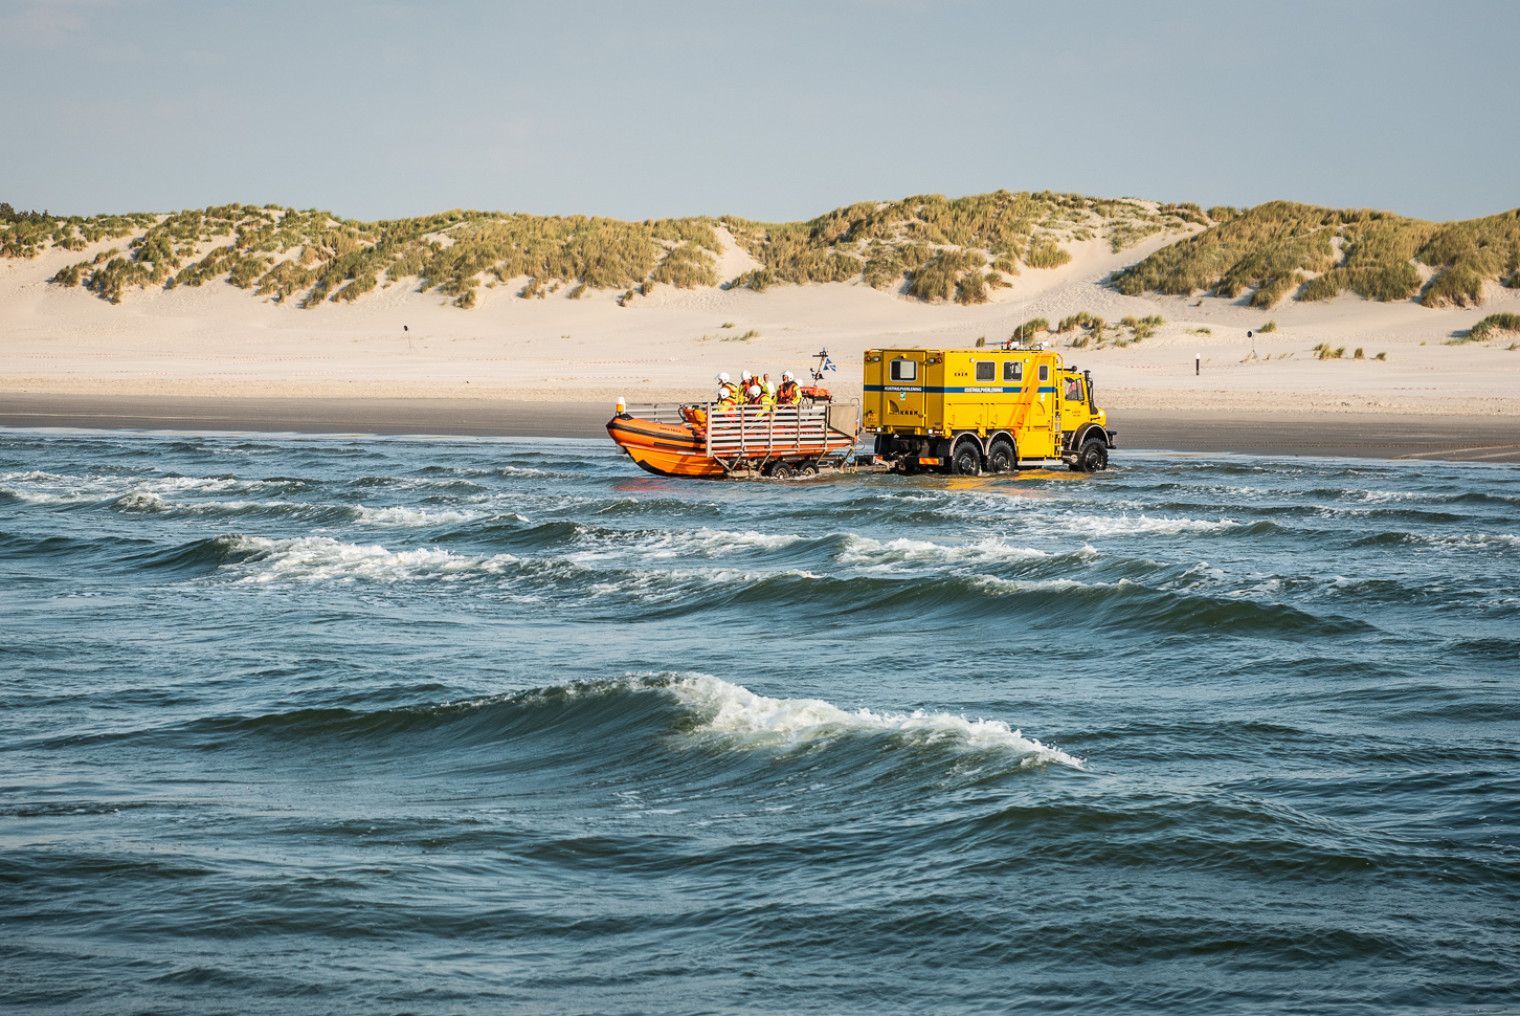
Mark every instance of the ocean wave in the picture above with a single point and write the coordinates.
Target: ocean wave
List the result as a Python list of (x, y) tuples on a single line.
[(1447, 541), (324, 559), (864, 550), (673, 543), (748, 719), (708, 712), (1134, 525), (403, 517)]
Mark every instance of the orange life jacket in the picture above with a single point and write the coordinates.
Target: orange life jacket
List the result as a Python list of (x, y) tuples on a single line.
[(789, 394)]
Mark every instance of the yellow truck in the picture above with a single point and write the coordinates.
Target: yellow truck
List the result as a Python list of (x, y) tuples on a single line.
[(967, 411)]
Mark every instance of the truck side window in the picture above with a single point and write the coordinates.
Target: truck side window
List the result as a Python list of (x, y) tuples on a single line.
[(904, 370), (1044, 372), (986, 370), (1073, 389), (1013, 370)]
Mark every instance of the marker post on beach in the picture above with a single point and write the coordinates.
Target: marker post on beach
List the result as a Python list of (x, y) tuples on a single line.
[(1197, 364)]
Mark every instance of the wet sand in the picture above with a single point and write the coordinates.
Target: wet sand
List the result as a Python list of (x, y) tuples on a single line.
[(1474, 439)]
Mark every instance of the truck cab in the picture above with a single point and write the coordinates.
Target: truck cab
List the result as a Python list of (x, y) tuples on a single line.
[(969, 411)]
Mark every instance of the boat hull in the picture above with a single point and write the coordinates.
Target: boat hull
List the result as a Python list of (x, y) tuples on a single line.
[(665, 449)]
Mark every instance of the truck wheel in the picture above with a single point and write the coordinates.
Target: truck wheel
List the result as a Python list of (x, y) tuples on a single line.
[(781, 471), (1093, 456), (1001, 458), (808, 469), (967, 460)]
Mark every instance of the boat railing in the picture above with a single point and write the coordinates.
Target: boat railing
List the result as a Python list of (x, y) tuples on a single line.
[(742, 432), (749, 431), (658, 412)]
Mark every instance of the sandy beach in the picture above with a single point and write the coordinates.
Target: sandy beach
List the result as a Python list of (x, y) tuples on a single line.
[(399, 361), (1385, 436)]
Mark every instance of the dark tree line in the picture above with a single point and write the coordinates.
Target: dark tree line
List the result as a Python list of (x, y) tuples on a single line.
[(9, 214)]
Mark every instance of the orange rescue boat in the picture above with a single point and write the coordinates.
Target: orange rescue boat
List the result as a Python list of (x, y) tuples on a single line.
[(704, 440)]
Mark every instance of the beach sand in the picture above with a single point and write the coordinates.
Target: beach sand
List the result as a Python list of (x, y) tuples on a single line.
[(1474, 439), (217, 357)]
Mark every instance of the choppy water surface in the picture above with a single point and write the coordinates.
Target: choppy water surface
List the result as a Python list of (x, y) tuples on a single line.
[(328, 724)]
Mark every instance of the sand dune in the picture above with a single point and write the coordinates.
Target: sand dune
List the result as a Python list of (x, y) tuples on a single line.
[(221, 341)]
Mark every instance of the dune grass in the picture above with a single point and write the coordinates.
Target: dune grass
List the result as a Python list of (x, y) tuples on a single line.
[(1029, 329), (1280, 249), (309, 257), (1494, 326), (939, 278)]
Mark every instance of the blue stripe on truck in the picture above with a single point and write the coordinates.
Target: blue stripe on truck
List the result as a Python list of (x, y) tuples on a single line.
[(974, 390)]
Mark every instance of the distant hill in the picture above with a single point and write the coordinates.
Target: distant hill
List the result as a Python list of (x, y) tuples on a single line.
[(934, 248), (928, 247)]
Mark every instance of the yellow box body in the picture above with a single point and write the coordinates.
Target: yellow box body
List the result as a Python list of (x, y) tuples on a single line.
[(942, 393)]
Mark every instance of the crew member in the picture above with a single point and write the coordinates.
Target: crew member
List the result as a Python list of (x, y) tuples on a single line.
[(728, 392), (790, 393)]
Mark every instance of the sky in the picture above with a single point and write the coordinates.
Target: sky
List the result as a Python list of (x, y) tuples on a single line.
[(773, 111)]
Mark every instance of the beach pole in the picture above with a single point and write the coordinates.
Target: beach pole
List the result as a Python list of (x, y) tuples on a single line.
[(1197, 364)]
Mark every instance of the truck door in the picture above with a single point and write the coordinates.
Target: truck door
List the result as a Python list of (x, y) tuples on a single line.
[(1042, 427), (1074, 411), (903, 389)]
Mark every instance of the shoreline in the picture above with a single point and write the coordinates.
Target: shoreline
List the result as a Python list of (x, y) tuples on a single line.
[(1493, 439)]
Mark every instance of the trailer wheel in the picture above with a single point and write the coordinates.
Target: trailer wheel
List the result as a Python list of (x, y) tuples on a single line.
[(1092, 458), (967, 459), (808, 469), (1001, 457), (781, 471)]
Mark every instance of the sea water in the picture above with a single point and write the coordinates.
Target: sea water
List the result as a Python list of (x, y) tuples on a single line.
[(331, 724)]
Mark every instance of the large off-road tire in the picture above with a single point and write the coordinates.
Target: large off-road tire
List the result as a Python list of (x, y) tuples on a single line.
[(780, 471), (808, 469), (1001, 458), (1092, 457), (966, 459)]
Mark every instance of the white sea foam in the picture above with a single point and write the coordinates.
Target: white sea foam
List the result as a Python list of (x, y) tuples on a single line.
[(1130, 525), (1469, 541), (993, 584), (322, 559), (733, 711), (863, 550), (1377, 496), (674, 544), (711, 542), (411, 517), (47, 497), (143, 501)]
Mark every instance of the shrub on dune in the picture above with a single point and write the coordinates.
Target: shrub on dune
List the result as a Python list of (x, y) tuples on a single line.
[(1495, 325)]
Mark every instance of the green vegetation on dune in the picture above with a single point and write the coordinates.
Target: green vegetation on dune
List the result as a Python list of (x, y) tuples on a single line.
[(931, 247), (928, 247), (1495, 325), (1273, 249)]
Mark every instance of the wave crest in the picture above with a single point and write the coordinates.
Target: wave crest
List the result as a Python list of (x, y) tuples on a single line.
[(733, 711)]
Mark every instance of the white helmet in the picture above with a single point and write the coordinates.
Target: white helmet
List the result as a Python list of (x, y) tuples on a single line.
[(745, 375), (754, 391), (723, 393), (786, 375), (723, 377)]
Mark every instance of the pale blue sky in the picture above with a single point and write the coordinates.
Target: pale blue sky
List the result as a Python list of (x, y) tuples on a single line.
[(770, 110)]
